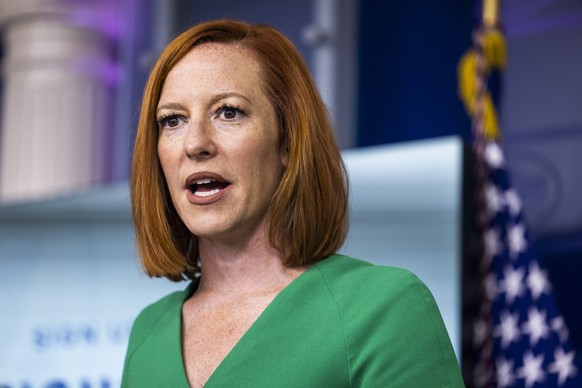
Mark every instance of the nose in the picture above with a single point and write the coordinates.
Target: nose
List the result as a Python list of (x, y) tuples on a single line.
[(199, 141)]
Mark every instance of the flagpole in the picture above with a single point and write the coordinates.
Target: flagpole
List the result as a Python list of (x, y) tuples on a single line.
[(473, 70), (483, 373), (490, 13)]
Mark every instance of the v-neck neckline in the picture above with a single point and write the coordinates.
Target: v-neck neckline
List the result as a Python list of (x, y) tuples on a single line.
[(191, 289)]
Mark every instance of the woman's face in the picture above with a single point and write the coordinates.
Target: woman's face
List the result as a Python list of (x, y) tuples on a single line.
[(218, 143)]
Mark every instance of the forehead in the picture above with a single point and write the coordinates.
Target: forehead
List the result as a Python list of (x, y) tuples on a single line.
[(218, 65)]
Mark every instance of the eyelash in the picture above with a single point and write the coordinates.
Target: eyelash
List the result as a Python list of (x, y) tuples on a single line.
[(163, 120), (225, 107)]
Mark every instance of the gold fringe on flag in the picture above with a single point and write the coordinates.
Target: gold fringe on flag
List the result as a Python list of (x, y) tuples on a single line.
[(487, 54)]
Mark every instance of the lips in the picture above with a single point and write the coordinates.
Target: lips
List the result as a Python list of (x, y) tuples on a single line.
[(205, 185)]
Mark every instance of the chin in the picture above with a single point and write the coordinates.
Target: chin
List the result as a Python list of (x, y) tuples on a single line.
[(210, 230)]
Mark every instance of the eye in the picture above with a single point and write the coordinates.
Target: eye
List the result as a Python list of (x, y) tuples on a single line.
[(170, 121), (229, 113)]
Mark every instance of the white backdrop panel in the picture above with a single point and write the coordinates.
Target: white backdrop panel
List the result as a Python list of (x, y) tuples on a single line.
[(70, 282)]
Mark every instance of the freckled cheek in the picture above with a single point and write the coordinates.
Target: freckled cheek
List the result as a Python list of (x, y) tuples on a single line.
[(169, 168), (256, 158)]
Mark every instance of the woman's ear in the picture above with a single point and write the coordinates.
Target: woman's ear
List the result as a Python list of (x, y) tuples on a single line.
[(284, 157)]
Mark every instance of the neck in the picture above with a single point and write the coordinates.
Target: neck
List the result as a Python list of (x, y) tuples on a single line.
[(250, 267)]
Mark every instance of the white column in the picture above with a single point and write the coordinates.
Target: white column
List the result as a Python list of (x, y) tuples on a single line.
[(57, 101), (333, 37)]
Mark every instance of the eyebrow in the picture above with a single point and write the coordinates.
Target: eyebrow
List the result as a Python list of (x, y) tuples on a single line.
[(222, 96), (171, 106), (214, 100)]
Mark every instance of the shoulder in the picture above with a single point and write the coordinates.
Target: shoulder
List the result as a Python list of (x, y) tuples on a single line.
[(343, 273), (390, 318), (154, 344), (150, 315), (154, 315), (364, 292), (357, 284)]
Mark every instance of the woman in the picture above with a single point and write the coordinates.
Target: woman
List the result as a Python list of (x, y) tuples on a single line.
[(239, 187)]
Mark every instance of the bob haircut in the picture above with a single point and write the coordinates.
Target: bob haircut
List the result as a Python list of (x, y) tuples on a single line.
[(307, 216)]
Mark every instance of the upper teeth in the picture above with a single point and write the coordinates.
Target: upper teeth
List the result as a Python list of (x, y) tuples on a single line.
[(204, 181)]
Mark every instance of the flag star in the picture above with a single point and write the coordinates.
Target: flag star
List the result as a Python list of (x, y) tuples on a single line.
[(537, 281), (507, 329), (532, 369), (559, 327), (494, 199), (494, 155), (505, 377), (563, 365), (492, 242), (512, 285), (513, 202), (516, 240), (536, 326)]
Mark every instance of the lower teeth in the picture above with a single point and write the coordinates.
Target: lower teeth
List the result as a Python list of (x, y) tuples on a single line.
[(206, 193)]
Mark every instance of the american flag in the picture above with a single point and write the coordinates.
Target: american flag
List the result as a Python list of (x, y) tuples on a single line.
[(522, 339)]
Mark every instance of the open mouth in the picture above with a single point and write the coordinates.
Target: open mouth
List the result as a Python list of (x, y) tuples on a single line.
[(205, 187)]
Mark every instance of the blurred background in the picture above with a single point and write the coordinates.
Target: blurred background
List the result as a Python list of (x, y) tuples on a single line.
[(72, 75)]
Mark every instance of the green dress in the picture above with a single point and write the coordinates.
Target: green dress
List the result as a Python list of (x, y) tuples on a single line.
[(342, 323)]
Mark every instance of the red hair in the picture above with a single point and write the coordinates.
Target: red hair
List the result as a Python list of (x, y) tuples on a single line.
[(308, 215)]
